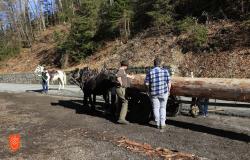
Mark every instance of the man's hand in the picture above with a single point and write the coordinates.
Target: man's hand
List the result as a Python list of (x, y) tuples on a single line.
[(169, 88), (120, 80), (131, 76)]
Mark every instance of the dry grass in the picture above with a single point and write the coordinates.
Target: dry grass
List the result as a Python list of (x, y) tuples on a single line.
[(42, 52), (141, 51)]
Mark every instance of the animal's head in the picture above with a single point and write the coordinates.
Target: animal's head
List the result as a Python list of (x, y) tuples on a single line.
[(112, 79), (75, 73), (82, 75), (39, 69)]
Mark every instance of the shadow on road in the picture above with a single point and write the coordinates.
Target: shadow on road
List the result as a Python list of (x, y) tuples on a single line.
[(37, 91), (135, 112), (41, 90), (213, 131), (80, 109)]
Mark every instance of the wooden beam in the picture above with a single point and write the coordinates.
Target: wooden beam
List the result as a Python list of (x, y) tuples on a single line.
[(216, 88)]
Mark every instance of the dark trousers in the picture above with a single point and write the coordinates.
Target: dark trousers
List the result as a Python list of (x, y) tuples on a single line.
[(204, 104), (45, 86)]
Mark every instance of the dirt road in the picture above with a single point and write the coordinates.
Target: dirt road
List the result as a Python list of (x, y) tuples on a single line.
[(59, 128)]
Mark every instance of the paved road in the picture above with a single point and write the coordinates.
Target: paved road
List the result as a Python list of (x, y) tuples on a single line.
[(59, 127), (227, 107), (70, 90)]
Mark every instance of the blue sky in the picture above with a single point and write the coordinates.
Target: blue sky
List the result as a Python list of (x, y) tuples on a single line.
[(32, 7)]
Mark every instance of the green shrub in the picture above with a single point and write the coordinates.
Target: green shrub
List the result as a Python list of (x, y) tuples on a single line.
[(199, 35), (8, 51), (246, 24), (196, 39), (186, 24), (9, 47), (57, 36), (161, 13)]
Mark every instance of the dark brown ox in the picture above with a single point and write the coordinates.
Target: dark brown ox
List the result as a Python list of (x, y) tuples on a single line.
[(93, 83)]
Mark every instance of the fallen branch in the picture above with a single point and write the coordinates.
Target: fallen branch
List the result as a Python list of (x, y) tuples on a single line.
[(151, 152)]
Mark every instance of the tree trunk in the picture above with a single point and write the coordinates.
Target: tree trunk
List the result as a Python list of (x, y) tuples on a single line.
[(73, 8), (2, 29), (60, 6), (242, 6), (65, 60), (42, 19), (111, 2), (28, 21), (217, 88), (13, 18)]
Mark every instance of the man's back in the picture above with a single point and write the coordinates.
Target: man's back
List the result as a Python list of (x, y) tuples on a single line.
[(158, 79)]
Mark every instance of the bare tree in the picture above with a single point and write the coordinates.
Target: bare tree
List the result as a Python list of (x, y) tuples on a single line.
[(41, 14), (111, 2)]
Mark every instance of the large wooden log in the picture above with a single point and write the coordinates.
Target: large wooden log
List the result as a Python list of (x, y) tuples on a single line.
[(216, 88)]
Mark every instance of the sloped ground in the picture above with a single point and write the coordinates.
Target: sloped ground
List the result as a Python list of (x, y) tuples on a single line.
[(42, 52), (77, 134), (227, 62), (229, 55)]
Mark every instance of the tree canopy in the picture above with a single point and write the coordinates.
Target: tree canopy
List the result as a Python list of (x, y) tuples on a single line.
[(95, 21)]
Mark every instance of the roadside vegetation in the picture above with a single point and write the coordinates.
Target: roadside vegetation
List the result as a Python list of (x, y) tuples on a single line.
[(92, 23)]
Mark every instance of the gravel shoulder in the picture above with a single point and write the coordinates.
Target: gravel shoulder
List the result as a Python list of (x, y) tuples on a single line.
[(52, 128)]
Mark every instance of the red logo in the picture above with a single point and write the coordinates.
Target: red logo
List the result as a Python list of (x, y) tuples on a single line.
[(14, 142)]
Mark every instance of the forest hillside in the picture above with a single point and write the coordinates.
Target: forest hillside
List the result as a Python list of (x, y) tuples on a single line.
[(209, 38)]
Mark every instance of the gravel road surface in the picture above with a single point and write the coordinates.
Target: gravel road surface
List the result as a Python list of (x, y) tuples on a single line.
[(56, 127)]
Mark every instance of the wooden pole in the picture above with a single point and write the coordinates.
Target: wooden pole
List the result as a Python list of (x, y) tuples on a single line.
[(216, 88)]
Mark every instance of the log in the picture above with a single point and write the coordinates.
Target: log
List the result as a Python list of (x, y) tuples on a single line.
[(215, 88)]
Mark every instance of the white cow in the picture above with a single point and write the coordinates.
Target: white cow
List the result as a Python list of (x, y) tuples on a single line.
[(53, 76)]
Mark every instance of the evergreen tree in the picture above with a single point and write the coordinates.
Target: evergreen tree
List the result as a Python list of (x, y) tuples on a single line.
[(161, 13), (115, 19), (141, 18), (80, 42)]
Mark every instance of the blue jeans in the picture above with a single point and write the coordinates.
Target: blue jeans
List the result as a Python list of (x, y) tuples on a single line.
[(204, 107), (45, 86), (159, 108)]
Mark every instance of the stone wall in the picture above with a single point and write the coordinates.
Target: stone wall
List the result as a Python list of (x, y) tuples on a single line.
[(25, 78), (21, 78)]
